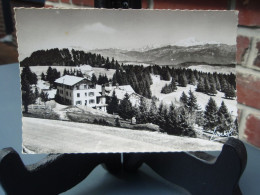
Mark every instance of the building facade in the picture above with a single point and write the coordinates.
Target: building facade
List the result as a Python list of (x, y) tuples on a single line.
[(74, 90)]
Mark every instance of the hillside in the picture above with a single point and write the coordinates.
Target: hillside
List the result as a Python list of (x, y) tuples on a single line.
[(215, 54)]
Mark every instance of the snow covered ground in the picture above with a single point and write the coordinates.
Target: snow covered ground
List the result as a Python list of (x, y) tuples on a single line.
[(52, 136), (202, 98)]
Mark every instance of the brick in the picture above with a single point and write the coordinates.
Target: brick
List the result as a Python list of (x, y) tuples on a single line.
[(257, 59), (48, 6), (248, 90), (144, 4), (65, 1), (252, 130), (88, 3), (243, 44), (191, 4), (54, 0), (239, 114), (249, 12)]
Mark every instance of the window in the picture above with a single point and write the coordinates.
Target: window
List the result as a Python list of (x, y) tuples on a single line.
[(78, 94), (86, 94), (85, 86), (92, 101), (61, 92), (91, 94), (70, 94), (77, 87), (78, 102), (86, 102), (67, 94), (58, 90)]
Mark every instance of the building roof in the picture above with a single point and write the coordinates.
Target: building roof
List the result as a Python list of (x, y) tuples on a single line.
[(85, 67), (69, 80), (120, 91)]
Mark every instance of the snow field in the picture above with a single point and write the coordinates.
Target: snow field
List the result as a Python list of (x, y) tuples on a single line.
[(202, 99)]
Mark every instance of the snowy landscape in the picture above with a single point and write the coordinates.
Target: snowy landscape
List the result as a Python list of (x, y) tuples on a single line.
[(163, 96)]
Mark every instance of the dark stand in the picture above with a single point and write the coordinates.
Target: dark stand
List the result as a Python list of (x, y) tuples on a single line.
[(60, 172)]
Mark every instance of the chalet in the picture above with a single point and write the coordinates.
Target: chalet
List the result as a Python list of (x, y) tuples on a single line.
[(74, 90)]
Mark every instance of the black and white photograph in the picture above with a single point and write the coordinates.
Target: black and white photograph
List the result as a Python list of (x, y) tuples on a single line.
[(97, 80)]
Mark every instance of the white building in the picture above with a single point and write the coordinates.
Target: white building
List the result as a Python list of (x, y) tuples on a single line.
[(80, 91), (120, 92)]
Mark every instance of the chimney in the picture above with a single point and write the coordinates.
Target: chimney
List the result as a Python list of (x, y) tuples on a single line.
[(103, 90)]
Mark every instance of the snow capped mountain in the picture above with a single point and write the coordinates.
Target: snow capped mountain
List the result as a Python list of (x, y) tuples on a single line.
[(214, 53), (191, 41)]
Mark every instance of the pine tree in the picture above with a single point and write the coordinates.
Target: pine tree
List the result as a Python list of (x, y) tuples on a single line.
[(183, 80), (184, 99), (28, 96), (94, 78), (207, 85), (224, 119), (143, 114), (183, 127), (31, 77), (192, 102), (152, 114), (230, 92), (36, 93), (160, 119), (44, 97), (113, 104), (173, 84), (200, 85), (210, 115), (125, 109), (43, 78), (212, 89)]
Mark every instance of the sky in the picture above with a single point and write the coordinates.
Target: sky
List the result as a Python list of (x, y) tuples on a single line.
[(89, 29)]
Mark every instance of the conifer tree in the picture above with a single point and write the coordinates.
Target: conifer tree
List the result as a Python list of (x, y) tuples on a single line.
[(210, 115), (183, 80), (28, 96), (224, 119), (230, 92), (143, 114), (192, 102), (36, 92), (212, 89), (207, 85), (200, 85), (184, 99), (31, 77), (43, 77), (113, 104), (125, 109), (94, 78), (183, 127), (152, 114), (44, 97)]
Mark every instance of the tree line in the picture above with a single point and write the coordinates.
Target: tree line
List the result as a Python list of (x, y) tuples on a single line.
[(208, 83), (66, 57), (176, 120)]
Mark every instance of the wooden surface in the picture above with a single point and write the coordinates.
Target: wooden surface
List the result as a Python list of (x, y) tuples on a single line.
[(8, 53)]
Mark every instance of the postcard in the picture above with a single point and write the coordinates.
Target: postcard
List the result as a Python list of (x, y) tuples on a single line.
[(97, 80)]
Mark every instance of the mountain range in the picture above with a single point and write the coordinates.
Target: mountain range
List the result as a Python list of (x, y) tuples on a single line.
[(212, 54)]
